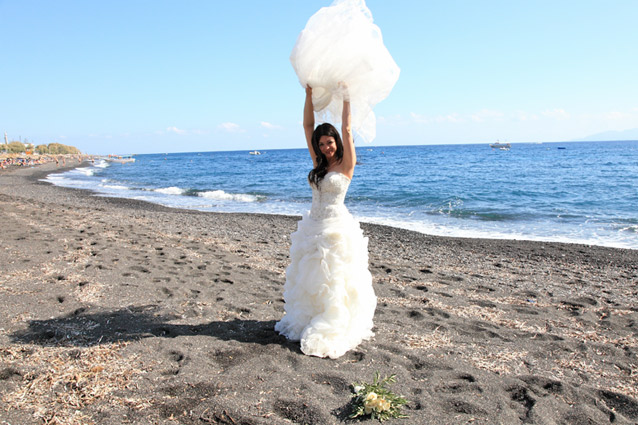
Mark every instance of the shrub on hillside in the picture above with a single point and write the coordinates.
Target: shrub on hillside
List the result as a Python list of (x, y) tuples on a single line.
[(16, 147), (60, 149), (42, 149)]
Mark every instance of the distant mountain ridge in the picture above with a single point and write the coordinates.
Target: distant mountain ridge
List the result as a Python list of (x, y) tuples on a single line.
[(631, 134)]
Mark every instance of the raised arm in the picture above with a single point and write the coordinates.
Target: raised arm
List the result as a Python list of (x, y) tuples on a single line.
[(309, 123), (349, 153)]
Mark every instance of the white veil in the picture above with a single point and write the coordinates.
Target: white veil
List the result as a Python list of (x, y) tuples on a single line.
[(340, 43)]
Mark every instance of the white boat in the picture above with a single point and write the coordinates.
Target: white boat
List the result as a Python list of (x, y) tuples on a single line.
[(501, 146), (254, 153)]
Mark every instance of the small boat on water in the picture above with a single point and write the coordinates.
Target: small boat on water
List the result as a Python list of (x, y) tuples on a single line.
[(500, 146), (254, 153)]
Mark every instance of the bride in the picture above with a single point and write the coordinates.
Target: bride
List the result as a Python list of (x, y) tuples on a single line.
[(329, 300)]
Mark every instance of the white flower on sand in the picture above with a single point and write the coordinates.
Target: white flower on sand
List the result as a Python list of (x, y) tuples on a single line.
[(370, 402), (376, 403), (384, 405), (377, 400), (371, 396)]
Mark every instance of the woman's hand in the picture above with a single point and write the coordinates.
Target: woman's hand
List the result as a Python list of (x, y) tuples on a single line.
[(342, 87)]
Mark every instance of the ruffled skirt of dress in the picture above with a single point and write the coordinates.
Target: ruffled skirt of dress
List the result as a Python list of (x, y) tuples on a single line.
[(329, 299)]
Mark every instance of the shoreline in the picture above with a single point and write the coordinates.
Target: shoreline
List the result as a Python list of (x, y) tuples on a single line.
[(121, 310), (43, 174)]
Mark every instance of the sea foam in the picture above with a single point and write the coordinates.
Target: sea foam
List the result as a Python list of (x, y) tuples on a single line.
[(223, 196), (170, 190)]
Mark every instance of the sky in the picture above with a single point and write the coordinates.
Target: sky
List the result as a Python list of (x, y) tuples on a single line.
[(133, 76)]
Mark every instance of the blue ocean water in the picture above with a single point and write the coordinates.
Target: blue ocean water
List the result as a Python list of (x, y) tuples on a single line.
[(572, 192)]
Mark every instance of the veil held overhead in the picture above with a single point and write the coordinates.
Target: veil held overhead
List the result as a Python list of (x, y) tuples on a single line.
[(341, 44)]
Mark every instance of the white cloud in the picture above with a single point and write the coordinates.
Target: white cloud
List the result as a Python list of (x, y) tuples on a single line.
[(230, 127), (620, 115), (423, 119), (487, 115), (526, 116), (270, 126), (557, 113), (419, 118), (175, 130), (454, 117), (396, 119)]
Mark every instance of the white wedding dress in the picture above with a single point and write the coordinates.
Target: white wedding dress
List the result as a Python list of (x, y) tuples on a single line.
[(329, 299)]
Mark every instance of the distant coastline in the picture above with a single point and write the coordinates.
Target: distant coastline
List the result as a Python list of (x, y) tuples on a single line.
[(629, 135)]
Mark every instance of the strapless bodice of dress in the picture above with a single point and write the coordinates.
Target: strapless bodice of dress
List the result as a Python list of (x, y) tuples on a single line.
[(328, 198)]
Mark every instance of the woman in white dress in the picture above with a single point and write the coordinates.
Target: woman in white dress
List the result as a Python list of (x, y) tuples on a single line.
[(329, 299)]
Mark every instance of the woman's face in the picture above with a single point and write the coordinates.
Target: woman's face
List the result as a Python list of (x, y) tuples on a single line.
[(328, 146)]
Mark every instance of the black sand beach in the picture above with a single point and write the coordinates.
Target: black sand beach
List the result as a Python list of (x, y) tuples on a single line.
[(116, 311)]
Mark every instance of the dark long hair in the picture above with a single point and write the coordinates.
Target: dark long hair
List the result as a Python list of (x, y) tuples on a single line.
[(319, 172)]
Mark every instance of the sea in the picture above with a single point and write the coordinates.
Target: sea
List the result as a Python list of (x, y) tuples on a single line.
[(576, 192)]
